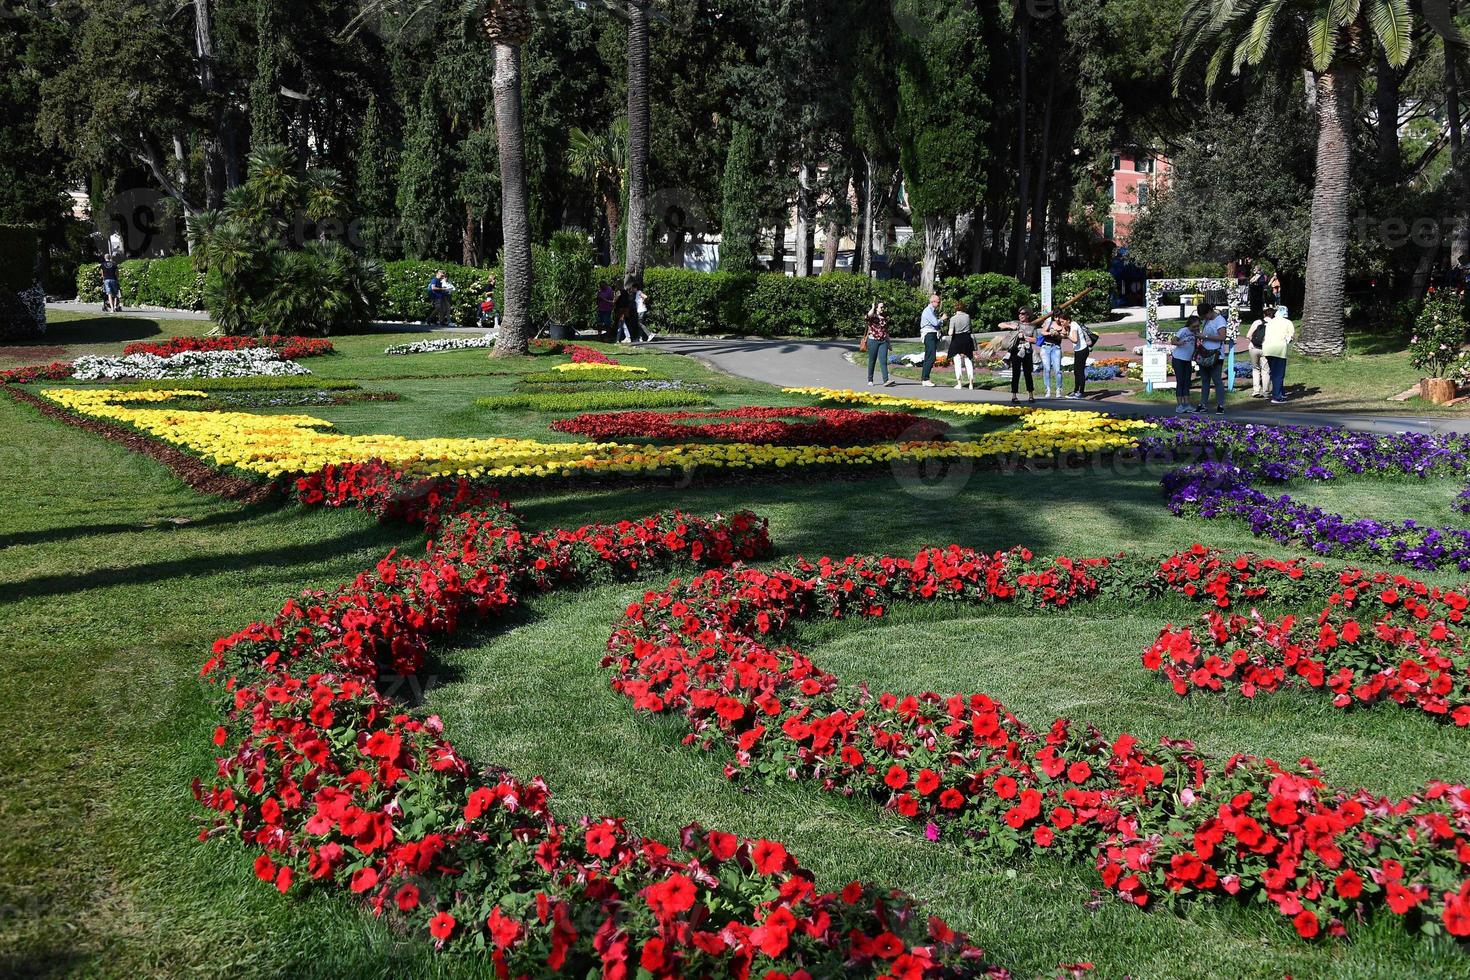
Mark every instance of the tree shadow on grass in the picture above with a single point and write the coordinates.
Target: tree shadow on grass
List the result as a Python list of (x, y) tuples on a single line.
[(51, 535), (307, 553), (100, 330)]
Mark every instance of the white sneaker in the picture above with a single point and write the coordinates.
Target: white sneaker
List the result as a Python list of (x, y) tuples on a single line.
[(870, 384), (958, 386), (1180, 409), (928, 384)]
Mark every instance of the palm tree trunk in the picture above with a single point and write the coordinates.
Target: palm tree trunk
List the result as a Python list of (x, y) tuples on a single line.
[(1460, 242), (613, 218), (515, 319), (1322, 321), (638, 126)]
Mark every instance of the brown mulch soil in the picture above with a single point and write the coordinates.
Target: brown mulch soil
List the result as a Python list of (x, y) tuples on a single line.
[(192, 470), (34, 355)]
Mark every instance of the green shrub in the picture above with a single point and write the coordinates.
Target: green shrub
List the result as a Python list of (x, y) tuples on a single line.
[(1439, 336), (698, 303), (172, 282), (20, 248), (591, 401), (406, 292), (990, 298), (563, 288), (1097, 306)]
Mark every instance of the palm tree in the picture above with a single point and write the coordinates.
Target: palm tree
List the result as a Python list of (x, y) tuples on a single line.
[(508, 26), (1335, 40), (638, 126), (602, 159)]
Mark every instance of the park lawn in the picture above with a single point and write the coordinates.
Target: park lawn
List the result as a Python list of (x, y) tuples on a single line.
[(115, 579)]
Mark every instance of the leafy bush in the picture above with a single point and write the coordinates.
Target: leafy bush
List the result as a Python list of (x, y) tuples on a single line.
[(172, 283), (563, 287), (1097, 306), (1439, 336), (406, 291), (591, 401), (259, 280), (990, 297)]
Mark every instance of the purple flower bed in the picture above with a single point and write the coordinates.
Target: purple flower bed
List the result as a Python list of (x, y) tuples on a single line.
[(1248, 454)]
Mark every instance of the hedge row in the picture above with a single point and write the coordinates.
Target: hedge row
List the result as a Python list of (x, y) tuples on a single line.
[(172, 283)]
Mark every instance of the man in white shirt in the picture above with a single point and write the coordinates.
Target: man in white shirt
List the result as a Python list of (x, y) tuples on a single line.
[(929, 326)]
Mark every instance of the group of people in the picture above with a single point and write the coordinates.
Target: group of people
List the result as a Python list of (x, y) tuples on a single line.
[(622, 313), (1028, 343), (1202, 345)]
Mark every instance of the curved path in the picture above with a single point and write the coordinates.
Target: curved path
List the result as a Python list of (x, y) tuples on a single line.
[(824, 364)]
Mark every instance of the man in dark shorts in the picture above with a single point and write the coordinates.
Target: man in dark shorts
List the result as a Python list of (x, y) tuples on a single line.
[(111, 286)]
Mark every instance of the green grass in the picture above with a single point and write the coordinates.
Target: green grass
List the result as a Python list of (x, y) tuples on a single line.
[(114, 579)]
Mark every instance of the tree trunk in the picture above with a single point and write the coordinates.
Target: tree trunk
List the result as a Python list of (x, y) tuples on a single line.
[(1023, 193), (214, 154), (868, 236), (778, 245), (638, 126), (1386, 104), (1322, 321), (803, 247), (933, 238), (515, 218), (613, 218), (1460, 242), (471, 253), (829, 250), (1036, 239)]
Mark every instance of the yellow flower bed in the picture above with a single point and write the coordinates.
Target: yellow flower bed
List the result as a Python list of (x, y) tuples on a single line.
[(275, 445), (576, 366), (839, 396)]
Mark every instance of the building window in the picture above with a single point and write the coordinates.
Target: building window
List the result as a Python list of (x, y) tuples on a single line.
[(1108, 229), (1113, 190), (1142, 195), (1117, 163), (1144, 164)]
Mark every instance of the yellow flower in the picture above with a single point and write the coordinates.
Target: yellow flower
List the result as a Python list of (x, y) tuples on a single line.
[(589, 366)]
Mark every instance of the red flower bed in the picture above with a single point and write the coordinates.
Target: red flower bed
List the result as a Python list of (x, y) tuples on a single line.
[(55, 371), (290, 348), (336, 786), (1159, 824), (579, 353), (768, 426), (375, 486), (1378, 638)]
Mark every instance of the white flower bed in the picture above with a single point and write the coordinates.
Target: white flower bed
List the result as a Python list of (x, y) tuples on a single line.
[(435, 346), (249, 363)]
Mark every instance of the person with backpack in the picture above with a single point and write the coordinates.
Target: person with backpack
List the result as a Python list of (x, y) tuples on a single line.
[(1260, 376), (1083, 340), (1210, 356)]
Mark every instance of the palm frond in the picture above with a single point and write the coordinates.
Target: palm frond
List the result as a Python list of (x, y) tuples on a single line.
[(1393, 26), (1322, 35)]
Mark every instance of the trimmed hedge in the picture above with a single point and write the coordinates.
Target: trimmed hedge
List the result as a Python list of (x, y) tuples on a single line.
[(406, 292), (591, 401), (588, 374), (1095, 308), (172, 283), (990, 298), (768, 304)]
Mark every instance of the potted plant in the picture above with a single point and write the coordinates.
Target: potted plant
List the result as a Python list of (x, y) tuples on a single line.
[(1437, 345), (563, 285)]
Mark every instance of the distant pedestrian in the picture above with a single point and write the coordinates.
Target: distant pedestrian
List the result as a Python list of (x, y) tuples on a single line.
[(1260, 377), (1273, 298), (878, 342), (1050, 346), (930, 324), (640, 307), (111, 285), (1209, 354), (1274, 345), (1185, 339), (1020, 346), (1255, 294), (962, 345), (440, 290), (1082, 340), (623, 314), (606, 296), (487, 310)]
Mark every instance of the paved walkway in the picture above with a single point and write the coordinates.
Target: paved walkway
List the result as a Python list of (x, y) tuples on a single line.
[(824, 364), (140, 312)]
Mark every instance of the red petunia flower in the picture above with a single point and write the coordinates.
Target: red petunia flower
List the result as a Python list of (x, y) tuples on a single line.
[(769, 857), (441, 926), (407, 898), (896, 778)]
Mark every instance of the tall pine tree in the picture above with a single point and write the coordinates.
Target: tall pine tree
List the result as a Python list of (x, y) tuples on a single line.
[(268, 123)]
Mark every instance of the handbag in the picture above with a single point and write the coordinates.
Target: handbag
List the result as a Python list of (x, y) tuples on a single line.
[(863, 344)]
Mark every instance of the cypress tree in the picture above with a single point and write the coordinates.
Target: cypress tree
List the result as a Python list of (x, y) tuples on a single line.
[(375, 180), (267, 115), (741, 187), (426, 184)]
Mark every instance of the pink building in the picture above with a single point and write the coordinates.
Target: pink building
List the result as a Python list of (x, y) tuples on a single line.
[(1136, 173)]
